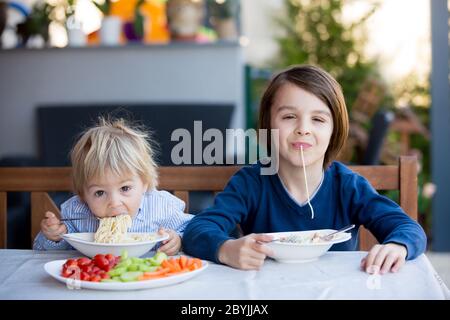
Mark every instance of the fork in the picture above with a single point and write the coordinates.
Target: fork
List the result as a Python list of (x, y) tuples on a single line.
[(74, 219), (84, 218), (330, 236)]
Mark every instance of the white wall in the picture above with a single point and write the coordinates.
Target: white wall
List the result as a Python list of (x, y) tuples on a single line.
[(141, 74)]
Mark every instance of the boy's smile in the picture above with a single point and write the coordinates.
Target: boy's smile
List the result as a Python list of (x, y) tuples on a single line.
[(303, 120), (112, 195)]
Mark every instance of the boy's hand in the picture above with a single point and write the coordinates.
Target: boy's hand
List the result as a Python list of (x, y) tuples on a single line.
[(172, 245), (246, 253), (384, 258), (52, 228)]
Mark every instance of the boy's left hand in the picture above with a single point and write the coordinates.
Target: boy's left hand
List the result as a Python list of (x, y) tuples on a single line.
[(172, 245), (384, 258)]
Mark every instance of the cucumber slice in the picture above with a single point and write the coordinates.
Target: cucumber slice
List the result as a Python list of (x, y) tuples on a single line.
[(137, 260), (125, 263), (117, 271), (159, 257), (145, 268), (133, 267), (130, 276), (152, 262)]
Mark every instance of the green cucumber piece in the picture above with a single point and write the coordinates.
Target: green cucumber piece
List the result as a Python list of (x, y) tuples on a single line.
[(145, 268), (159, 257), (130, 276), (117, 271)]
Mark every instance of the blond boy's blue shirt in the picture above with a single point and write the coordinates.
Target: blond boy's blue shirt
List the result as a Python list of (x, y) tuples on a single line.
[(157, 209)]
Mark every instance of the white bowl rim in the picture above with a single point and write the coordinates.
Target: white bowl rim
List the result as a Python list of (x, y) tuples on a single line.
[(345, 236), (71, 237)]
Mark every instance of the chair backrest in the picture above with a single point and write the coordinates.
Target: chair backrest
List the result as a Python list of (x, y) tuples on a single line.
[(182, 180)]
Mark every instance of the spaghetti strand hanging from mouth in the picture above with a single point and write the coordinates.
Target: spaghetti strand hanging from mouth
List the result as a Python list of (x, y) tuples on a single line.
[(306, 182)]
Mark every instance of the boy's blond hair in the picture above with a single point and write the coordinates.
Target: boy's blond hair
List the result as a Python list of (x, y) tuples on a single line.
[(112, 145)]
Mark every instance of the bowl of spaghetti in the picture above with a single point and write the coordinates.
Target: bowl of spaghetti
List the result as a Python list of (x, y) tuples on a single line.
[(112, 237), (303, 246)]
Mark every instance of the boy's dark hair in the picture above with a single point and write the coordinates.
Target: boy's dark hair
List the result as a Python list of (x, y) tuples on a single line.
[(321, 84)]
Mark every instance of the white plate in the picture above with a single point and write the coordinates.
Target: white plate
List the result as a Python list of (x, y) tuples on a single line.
[(54, 269), (289, 252), (84, 242)]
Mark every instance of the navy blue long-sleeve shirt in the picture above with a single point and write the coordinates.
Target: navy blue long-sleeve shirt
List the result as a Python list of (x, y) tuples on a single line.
[(261, 204)]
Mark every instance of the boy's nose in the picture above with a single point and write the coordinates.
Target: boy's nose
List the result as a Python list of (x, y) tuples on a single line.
[(302, 126), (302, 129), (114, 200)]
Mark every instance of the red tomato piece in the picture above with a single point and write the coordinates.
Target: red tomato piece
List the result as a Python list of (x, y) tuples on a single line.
[(83, 261), (95, 278), (71, 262), (87, 268), (102, 262), (85, 276)]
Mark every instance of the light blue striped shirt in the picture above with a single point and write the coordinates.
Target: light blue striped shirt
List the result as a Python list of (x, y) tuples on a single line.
[(157, 209)]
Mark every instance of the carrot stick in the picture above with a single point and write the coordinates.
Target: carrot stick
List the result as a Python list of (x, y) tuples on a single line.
[(150, 277), (175, 265), (158, 272), (183, 262), (198, 262), (166, 264), (190, 261)]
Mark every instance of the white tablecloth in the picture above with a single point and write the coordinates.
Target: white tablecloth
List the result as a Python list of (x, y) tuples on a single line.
[(336, 275)]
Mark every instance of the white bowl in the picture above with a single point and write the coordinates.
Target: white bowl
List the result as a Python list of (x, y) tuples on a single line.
[(289, 252), (84, 242)]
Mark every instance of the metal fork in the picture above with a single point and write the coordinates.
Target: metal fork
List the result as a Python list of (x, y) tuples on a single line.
[(330, 236), (73, 219)]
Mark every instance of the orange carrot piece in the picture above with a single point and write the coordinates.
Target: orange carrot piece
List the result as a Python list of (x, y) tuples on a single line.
[(198, 262), (183, 262), (175, 273), (192, 267), (190, 262), (175, 264), (158, 272), (166, 264), (150, 277)]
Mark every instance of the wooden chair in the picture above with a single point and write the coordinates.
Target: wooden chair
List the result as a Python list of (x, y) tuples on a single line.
[(182, 180)]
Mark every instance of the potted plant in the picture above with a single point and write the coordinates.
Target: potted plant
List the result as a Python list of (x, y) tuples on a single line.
[(36, 23), (111, 28)]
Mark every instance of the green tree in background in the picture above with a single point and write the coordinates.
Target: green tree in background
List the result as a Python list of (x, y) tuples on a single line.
[(314, 33)]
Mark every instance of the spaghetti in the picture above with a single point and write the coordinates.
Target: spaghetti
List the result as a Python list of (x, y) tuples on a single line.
[(306, 182), (114, 230)]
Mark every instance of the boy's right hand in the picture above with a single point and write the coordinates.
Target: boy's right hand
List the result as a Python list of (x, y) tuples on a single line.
[(246, 253), (51, 227)]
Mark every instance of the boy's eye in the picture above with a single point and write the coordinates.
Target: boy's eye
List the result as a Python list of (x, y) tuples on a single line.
[(126, 188), (288, 116), (99, 193)]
